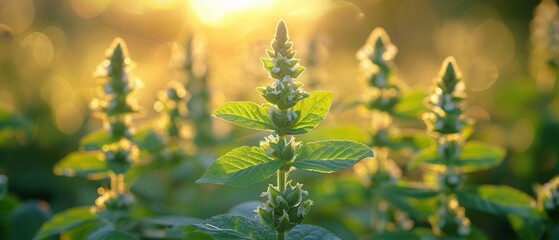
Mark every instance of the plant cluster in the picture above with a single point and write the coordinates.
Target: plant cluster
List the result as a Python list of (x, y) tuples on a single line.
[(397, 207), (382, 172), (289, 111)]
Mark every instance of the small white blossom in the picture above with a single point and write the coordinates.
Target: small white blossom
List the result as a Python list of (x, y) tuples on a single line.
[(301, 211), (275, 69), (287, 78), (275, 92), (107, 89)]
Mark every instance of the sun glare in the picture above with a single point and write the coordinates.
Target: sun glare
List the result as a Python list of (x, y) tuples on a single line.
[(215, 13)]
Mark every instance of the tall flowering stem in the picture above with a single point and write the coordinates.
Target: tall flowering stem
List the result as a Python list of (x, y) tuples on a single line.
[(190, 61), (115, 108), (376, 61), (282, 95), (445, 121), (288, 110)]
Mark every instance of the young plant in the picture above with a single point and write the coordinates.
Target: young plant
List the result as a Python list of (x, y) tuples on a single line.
[(288, 110), (548, 204), (454, 156), (383, 173), (190, 59), (110, 156)]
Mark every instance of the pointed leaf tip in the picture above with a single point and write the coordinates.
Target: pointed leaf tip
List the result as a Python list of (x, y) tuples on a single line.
[(118, 49), (450, 68), (282, 34)]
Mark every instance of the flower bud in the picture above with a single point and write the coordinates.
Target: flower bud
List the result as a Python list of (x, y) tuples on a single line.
[(282, 119), (118, 160), (284, 210)]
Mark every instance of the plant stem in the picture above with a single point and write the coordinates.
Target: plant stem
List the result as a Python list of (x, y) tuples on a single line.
[(282, 178), (114, 183), (281, 235)]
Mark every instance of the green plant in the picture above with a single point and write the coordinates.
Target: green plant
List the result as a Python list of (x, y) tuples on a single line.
[(453, 156), (190, 59), (111, 157), (289, 111), (385, 102), (548, 204)]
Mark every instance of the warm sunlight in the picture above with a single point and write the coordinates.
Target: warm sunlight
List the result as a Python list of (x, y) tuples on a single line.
[(215, 12)]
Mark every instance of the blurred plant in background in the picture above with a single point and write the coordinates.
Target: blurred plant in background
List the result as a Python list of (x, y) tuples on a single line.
[(385, 103), (48, 48)]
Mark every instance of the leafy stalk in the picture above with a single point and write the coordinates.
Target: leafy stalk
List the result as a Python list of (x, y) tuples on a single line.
[(445, 121), (115, 107), (376, 61), (289, 111)]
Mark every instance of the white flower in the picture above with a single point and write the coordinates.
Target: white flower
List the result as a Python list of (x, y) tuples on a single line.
[(275, 69), (301, 211), (287, 78), (275, 92)]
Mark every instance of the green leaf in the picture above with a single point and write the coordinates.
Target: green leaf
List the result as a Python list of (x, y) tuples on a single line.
[(417, 208), (297, 72), (309, 232), (409, 191), (418, 233), (475, 156), (499, 200), (246, 114), (147, 139), (245, 209), (9, 120), (115, 235), (241, 167), (88, 164), (229, 226), (268, 63), (96, 139), (310, 112), (330, 155), (65, 221), (107, 232), (410, 105), (345, 132), (527, 228), (410, 139), (170, 220)]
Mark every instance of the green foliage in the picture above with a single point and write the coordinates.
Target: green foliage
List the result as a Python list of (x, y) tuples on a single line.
[(84, 164), (96, 139), (241, 167), (311, 111), (475, 156), (330, 155), (245, 114), (230, 227), (500, 200), (227, 226), (70, 219), (289, 111), (110, 234)]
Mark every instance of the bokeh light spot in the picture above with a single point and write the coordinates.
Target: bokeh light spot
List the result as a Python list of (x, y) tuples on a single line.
[(18, 14), (482, 74), (215, 13), (130, 6), (522, 135), (41, 48), (492, 40), (89, 8), (68, 117)]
